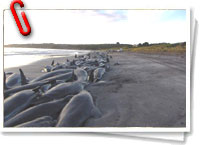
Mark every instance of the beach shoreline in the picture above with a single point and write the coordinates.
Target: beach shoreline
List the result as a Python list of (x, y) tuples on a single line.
[(34, 69), (141, 91)]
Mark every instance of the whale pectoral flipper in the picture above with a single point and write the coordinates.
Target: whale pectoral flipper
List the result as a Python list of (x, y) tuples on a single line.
[(95, 112), (36, 89)]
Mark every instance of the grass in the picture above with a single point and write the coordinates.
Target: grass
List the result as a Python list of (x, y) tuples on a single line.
[(177, 48)]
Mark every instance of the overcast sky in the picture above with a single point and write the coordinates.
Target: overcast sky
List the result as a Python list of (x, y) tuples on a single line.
[(98, 26)]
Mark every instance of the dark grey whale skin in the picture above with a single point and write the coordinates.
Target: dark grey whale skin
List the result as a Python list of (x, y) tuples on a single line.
[(9, 92), (51, 74), (77, 111), (60, 91), (98, 73), (17, 103), (52, 109), (45, 121), (65, 76), (81, 74), (15, 79)]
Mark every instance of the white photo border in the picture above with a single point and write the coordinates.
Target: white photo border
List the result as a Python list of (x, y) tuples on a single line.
[(106, 129)]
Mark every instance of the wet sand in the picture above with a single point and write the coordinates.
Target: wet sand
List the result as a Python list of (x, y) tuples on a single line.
[(142, 91), (35, 69)]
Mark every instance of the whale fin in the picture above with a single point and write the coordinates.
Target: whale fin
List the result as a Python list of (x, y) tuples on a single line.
[(23, 77), (52, 63), (95, 112)]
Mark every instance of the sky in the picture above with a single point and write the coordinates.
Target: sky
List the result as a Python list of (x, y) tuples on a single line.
[(98, 26)]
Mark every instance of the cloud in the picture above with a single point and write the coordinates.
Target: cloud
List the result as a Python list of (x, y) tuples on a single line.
[(112, 15), (99, 26)]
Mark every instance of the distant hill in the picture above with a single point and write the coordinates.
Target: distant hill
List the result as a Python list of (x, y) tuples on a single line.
[(71, 46)]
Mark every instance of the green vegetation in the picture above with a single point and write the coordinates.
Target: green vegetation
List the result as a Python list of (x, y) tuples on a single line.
[(160, 48), (156, 48)]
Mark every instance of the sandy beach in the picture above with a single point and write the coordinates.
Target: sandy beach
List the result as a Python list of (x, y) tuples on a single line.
[(35, 69), (142, 91)]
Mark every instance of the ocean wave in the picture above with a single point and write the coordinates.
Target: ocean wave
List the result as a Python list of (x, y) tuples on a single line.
[(24, 56)]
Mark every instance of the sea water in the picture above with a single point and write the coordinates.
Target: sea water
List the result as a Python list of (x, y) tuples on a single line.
[(14, 57)]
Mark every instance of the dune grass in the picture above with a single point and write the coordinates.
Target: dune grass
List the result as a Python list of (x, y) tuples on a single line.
[(164, 48), (157, 48)]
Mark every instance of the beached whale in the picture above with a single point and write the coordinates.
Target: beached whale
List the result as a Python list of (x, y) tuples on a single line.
[(45, 121), (52, 109), (98, 74), (51, 74), (80, 108), (48, 68), (63, 77), (81, 74), (15, 79), (60, 91), (58, 67), (53, 83), (9, 92), (61, 66), (18, 102)]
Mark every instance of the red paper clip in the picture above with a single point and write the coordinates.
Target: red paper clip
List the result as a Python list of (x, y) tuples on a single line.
[(23, 16)]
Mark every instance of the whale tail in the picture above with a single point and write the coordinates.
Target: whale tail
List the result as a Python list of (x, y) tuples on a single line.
[(95, 112), (23, 77)]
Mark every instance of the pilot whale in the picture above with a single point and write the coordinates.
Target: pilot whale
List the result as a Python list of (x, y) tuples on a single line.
[(80, 108), (15, 79), (52, 109), (18, 102), (59, 91), (62, 77), (11, 91), (81, 74), (51, 74), (45, 121)]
